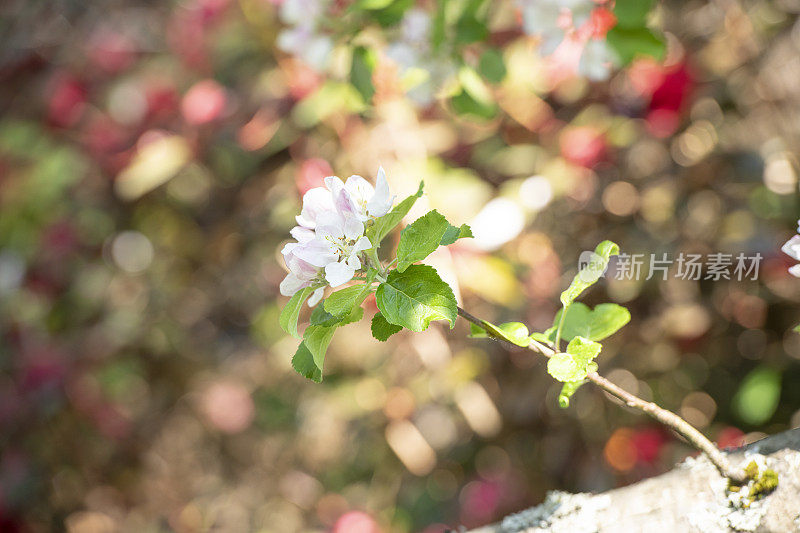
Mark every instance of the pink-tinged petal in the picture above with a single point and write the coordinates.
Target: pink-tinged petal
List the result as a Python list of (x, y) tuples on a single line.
[(792, 247), (795, 271), (338, 273), (302, 234), (361, 245), (300, 268), (334, 184), (315, 202), (798, 226), (381, 202), (291, 284), (345, 204), (287, 249), (353, 228), (316, 253), (316, 296)]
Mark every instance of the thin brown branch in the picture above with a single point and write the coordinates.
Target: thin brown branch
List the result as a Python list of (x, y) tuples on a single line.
[(666, 417)]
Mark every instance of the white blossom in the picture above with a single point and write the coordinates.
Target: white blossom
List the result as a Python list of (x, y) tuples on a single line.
[(792, 249), (301, 274), (331, 232)]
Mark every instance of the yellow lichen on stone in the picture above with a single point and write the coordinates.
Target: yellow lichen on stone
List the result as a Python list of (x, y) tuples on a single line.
[(764, 484), (751, 470)]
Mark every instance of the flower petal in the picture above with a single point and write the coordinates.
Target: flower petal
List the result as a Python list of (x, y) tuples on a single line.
[(360, 189), (381, 202), (291, 284), (353, 262), (338, 273), (302, 234), (361, 245), (316, 296), (792, 247), (316, 252), (345, 204), (315, 202), (353, 228)]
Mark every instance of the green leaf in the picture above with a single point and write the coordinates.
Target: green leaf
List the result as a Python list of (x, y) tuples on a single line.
[(630, 43), (383, 225), (632, 13), (796, 329), (291, 311), (316, 339), (303, 363), (590, 324), (545, 337), (420, 239), (414, 298), (577, 362), (453, 233), (513, 332), (381, 329), (342, 301), (361, 68), (491, 65), (567, 391), (591, 272), (320, 317), (758, 396), (477, 332)]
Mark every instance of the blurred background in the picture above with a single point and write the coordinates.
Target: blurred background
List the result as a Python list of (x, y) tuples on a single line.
[(153, 156)]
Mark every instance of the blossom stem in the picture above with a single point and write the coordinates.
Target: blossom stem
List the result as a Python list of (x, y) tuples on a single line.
[(666, 417), (560, 327), (372, 254)]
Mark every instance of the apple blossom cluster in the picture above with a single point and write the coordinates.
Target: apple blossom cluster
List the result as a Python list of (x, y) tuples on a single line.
[(792, 249), (572, 34), (302, 36), (330, 234)]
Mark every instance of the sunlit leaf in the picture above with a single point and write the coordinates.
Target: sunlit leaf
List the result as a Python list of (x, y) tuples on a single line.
[(420, 239), (593, 324), (567, 390), (383, 225), (453, 233), (576, 362), (414, 298), (594, 267), (291, 311), (513, 332), (343, 301)]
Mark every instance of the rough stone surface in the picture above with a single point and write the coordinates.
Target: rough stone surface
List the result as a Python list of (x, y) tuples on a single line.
[(690, 498)]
